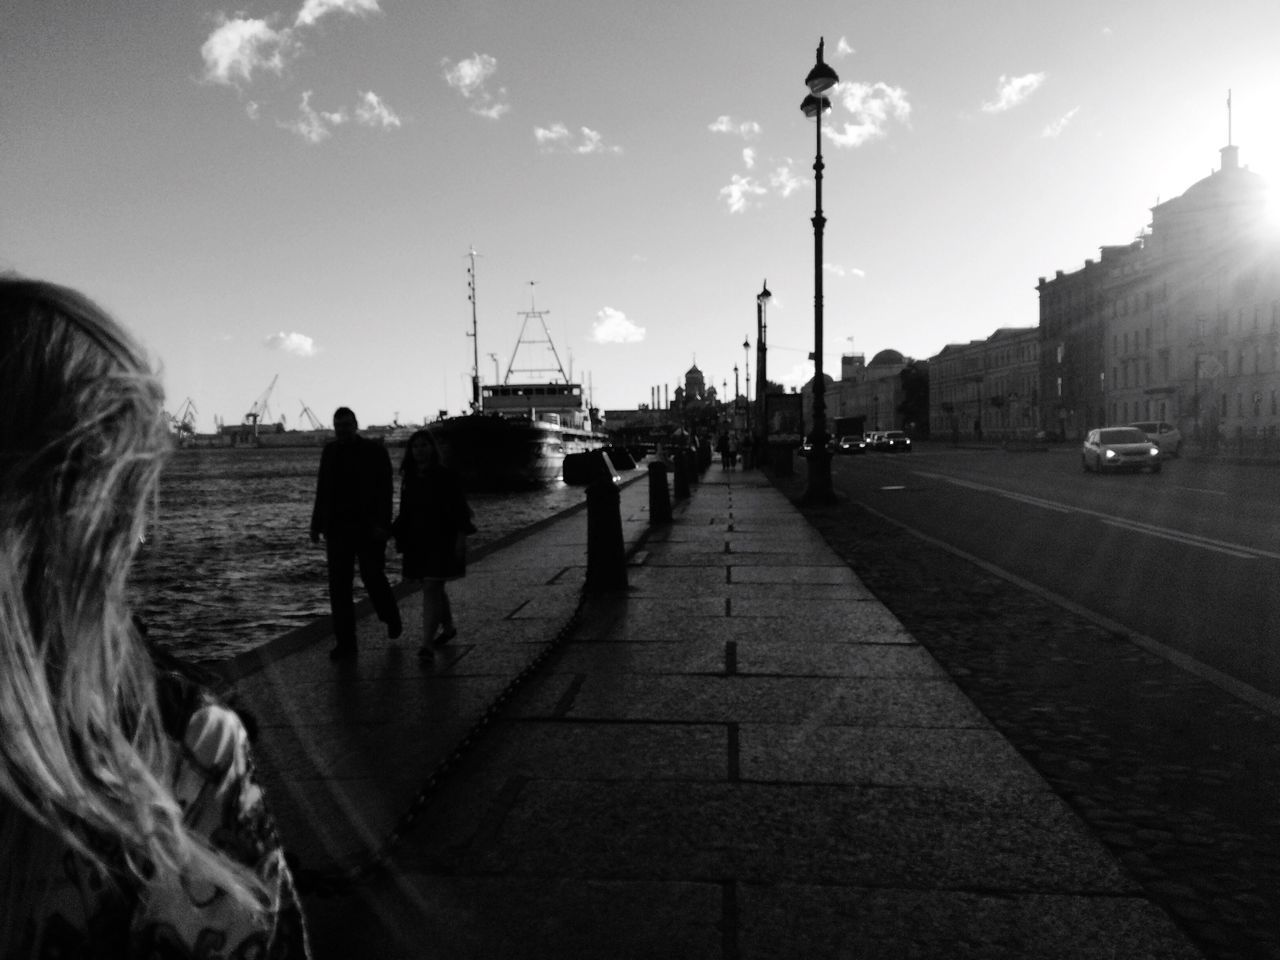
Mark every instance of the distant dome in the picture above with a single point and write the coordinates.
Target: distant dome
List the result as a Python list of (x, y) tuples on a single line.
[(693, 370), (886, 358)]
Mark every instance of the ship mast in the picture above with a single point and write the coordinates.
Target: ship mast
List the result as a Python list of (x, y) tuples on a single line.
[(533, 313), (475, 340)]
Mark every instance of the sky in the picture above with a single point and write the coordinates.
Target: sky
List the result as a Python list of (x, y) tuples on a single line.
[(281, 195)]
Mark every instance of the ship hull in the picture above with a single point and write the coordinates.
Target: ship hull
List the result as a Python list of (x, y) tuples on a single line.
[(508, 453)]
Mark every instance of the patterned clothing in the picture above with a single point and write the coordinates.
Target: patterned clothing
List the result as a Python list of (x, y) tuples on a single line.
[(165, 916)]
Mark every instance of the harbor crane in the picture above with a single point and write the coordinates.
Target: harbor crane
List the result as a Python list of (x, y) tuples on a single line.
[(309, 415), (261, 409), (184, 421)]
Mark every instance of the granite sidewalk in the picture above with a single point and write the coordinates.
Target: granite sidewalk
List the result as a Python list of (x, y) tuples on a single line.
[(743, 755)]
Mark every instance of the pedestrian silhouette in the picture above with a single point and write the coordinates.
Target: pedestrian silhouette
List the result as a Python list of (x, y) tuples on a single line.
[(354, 492), (131, 822), (431, 532)]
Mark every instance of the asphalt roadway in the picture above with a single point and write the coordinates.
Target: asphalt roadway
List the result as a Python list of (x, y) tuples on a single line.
[(743, 754)]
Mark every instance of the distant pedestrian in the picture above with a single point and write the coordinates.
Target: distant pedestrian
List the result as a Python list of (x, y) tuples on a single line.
[(722, 448), (132, 822), (354, 494), (431, 531), (733, 450)]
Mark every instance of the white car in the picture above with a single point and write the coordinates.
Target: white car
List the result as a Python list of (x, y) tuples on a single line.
[(1119, 448), (1164, 435)]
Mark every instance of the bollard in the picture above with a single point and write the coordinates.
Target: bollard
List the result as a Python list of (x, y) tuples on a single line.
[(606, 551), (681, 466), (659, 496), (693, 466)]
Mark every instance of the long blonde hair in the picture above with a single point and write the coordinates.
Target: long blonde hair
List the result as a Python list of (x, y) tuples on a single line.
[(83, 753)]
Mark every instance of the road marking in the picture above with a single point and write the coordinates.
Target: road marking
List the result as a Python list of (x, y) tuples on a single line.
[(895, 487), (1214, 493), (1224, 681), (1237, 550)]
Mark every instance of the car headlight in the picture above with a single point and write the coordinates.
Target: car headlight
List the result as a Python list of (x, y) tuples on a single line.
[(1109, 454), (1154, 451)]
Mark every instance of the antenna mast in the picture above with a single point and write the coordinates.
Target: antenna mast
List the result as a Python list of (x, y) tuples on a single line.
[(534, 314), (1228, 116), (475, 340)]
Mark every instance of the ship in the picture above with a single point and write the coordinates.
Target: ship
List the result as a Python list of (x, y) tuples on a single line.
[(519, 430)]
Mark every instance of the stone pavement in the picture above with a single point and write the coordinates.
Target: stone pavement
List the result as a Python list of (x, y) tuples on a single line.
[(744, 755)]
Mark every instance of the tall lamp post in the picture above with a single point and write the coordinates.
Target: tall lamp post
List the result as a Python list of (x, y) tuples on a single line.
[(746, 368), (820, 79), (762, 330)]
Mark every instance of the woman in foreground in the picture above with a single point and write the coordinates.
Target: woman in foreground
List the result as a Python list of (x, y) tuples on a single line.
[(131, 824)]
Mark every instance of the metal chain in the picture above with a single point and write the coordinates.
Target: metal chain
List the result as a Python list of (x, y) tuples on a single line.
[(332, 882)]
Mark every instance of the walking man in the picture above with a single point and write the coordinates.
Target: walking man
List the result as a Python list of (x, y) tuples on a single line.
[(353, 512)]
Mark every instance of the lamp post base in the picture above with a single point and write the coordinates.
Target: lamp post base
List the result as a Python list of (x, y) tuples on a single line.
[(818, 490)]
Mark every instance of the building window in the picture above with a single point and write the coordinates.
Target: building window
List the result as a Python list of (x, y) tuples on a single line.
[(1059, 386), (1239, 404), (1273, 403)]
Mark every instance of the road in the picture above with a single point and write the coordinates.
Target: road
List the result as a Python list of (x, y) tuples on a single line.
[(1189, 557)]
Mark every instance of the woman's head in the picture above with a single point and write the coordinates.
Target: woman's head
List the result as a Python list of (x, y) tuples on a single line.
[(81, 446), (82, 440), (420, 450)]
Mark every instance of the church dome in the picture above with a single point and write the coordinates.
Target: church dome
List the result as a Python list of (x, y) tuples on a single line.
[(886, 358)]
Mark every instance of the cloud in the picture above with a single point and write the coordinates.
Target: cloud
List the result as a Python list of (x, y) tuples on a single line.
[(238, 47), (372, 112), (1011, 91), (1055, 129), (748, 157), (746, 129), (740, 192), (314, 125), (558, 137), (836, 270), (873, 106), (470, 78), (299, 344), (843, 49), (785, 181), (313, 10), (612, 326)]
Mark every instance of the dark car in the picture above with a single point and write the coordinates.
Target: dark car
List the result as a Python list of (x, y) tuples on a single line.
[(895, 441), (852, 444)]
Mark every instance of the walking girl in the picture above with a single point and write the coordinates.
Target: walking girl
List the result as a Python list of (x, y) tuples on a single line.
[(431, 531)]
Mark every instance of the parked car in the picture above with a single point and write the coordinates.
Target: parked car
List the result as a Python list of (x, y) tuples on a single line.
[(876, 440), (1119, 448), (852, 444), (896, 441), (1164, 435)]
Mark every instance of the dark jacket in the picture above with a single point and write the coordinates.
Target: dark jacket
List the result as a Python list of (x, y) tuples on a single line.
[(354, 490), (433, 514)]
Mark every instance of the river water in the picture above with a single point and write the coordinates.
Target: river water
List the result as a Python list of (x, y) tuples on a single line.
[(228, 564)]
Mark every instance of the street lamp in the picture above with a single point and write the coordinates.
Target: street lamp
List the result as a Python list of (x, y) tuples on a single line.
[(762, 329), (820, 79), (746, 367)]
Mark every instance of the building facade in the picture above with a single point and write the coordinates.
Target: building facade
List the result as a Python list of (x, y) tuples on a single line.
[(1182, 325), (872, 393), (987, 389)]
